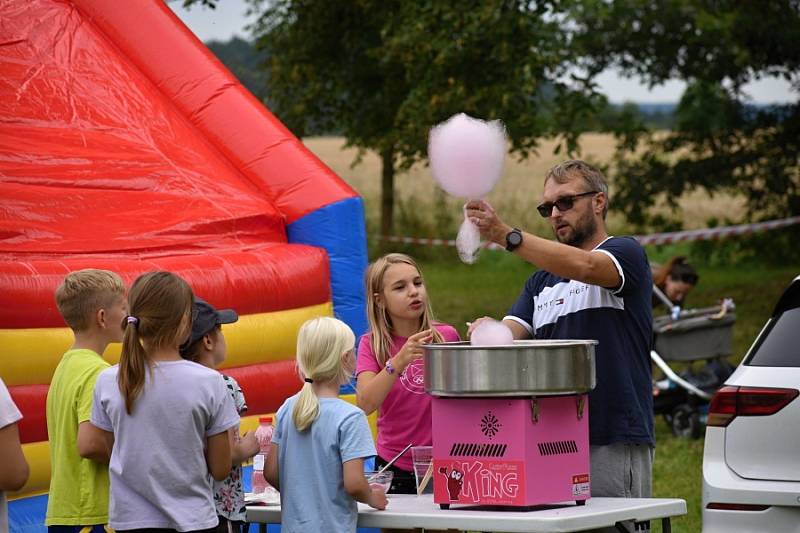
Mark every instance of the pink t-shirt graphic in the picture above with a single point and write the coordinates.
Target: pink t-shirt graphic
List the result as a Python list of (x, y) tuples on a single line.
[(405, 415)]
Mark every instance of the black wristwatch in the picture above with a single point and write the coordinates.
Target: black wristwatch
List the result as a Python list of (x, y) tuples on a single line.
[(513, 239)]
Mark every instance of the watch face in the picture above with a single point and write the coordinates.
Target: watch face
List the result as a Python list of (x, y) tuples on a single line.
[(514, 238)]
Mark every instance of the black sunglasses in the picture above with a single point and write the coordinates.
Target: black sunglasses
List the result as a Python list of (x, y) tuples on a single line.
[(564, 203)]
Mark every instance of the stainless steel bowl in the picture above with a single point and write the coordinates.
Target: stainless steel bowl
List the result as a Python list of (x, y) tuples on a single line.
[(525, 368)]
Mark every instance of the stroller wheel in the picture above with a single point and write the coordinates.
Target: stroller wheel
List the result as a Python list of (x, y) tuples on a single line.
[(686, 422)]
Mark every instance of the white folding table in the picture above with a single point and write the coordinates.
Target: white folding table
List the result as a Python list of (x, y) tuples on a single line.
[(409, 511)]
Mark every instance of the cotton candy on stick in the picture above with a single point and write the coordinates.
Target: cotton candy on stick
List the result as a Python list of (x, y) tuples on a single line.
[(466, 157)]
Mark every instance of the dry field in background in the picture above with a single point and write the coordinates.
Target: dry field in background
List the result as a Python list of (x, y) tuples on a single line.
[(515, 196)]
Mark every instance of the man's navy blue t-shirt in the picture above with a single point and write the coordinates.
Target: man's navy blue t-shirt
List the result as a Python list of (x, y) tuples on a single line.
[(621, 320)]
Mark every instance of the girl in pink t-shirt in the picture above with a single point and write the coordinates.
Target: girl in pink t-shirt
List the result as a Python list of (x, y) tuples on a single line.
[(391, 376)]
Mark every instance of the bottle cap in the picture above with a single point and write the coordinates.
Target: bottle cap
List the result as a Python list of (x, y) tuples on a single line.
[(265, 420)]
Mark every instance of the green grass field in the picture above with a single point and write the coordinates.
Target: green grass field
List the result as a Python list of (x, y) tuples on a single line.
[(460, 293)]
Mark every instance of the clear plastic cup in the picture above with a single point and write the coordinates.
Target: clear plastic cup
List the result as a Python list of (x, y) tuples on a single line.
[(380, 479), (422, 458)]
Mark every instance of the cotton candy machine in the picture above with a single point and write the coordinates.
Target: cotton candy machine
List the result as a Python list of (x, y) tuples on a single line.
[(510, 422)]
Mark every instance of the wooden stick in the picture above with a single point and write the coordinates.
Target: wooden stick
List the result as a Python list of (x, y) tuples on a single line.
[(395, 458), (425, 479)]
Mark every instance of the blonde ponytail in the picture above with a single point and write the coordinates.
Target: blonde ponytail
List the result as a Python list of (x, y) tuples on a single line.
[(306, 408), (321, 343)]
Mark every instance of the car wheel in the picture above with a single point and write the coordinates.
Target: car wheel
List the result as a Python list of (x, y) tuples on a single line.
[(685, 422)]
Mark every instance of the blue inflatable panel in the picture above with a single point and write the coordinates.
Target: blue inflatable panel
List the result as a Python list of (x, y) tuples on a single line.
[(27, 515), (339, 228)]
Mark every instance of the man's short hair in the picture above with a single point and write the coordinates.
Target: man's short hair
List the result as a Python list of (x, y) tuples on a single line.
[(84, 292), (562, 172)]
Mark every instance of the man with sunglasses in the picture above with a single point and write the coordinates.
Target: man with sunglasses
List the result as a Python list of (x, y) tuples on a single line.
[(590, 286)]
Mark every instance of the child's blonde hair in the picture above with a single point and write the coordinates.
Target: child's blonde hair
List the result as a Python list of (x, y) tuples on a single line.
[(84, 292), (321, 343), (380, 324), (160, 314)]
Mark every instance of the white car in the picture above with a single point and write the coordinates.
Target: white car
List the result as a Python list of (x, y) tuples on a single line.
[(751, 460)]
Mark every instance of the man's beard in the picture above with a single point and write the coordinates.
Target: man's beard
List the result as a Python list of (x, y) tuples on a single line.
[(583, 230)]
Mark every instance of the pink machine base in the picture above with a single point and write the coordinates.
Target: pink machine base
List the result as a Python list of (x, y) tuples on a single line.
[(516, 452)]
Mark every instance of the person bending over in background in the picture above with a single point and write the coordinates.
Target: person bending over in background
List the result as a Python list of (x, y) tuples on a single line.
[(675, 279)]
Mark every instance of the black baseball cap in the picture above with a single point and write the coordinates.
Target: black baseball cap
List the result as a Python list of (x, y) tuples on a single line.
[(204, 319)]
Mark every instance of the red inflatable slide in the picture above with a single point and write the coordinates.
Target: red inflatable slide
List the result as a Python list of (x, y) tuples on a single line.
[(126, 145)]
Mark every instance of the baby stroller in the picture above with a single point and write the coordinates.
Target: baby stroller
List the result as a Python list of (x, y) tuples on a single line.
[(701, 339)]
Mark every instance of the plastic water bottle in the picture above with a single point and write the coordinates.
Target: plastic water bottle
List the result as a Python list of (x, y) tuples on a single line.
[(264, 438)]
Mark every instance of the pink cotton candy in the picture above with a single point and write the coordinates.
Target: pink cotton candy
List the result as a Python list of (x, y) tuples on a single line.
[(467, 155), (491, 333)]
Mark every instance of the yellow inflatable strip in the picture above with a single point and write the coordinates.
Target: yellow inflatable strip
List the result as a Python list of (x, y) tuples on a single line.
[(38, 454), (30, 356)]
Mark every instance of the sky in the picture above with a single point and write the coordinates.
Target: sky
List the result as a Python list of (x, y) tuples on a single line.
[(229, 19)]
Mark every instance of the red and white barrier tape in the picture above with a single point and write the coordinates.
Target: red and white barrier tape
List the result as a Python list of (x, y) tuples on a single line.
[(715, 233), (656, 238)]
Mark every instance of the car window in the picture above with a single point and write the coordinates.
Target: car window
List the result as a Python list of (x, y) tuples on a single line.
[(779, 344)]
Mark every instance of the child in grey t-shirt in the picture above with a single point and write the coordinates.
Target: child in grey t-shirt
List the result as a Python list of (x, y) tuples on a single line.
[(14, 463), (320, 441), (169, 417)]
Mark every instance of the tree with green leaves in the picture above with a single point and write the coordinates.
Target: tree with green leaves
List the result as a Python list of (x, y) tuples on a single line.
[(720, 141), (383, 72), (245, 62)]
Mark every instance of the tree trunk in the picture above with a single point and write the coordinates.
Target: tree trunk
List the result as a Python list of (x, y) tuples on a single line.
[(387, 191)]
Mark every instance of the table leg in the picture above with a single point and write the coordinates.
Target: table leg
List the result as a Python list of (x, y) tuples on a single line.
[(666, 525), (633, 526)]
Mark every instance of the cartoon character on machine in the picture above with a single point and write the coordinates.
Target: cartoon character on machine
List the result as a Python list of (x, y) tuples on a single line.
[(454, 482)]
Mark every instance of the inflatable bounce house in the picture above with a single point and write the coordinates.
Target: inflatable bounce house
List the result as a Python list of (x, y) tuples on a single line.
[(126, 145)]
